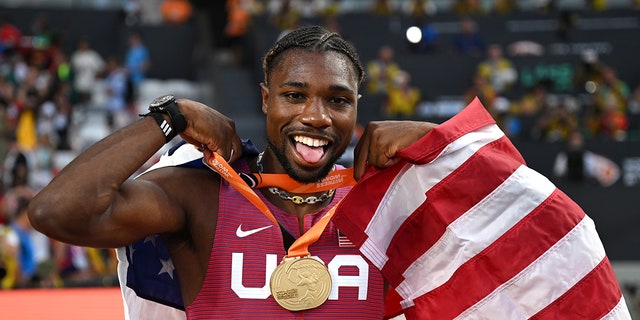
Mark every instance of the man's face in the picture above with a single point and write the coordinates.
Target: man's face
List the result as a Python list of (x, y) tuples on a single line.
[(311, 107)]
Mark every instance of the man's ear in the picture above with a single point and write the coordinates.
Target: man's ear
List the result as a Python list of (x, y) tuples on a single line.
[(264, 90)]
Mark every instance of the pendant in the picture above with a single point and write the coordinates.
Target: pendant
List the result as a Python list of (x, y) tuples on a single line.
[(300, 283)]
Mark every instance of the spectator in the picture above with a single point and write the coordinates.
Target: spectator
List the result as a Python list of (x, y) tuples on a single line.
[(26, 130), (137, 63), (578, 165), (482, 89), (132, 10), (612, 123), (238, 21), (9, 252), (498, 70), (19, 223), (382, 7), (402, 97), (286, 17), (175, 12), (419, 9), (505, 6), (381, 71), (469, 7), (10, 37), (86, 65), (468, 40), (612, 90), (43, 157), (60, 70), (527, 110), (557, 124), (115, 86), (588, 75), (62, 120)]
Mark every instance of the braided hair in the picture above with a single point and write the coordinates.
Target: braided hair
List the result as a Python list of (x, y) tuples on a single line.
[(311, 38)]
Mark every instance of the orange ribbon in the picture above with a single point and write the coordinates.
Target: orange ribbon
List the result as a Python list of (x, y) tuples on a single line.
[(300, 248)]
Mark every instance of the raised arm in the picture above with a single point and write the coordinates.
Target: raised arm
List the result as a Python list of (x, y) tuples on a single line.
[(92, 201)]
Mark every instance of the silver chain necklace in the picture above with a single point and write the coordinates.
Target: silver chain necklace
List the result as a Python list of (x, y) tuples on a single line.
[(287, 196)]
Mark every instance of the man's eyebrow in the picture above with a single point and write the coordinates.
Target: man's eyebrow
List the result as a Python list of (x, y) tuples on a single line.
[(294, 84), (299, 84), (342, 88)]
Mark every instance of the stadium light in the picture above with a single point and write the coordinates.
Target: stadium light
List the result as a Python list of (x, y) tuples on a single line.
[(414, 34)]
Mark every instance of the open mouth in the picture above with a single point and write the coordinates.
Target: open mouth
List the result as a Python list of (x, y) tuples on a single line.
[(310, 149)]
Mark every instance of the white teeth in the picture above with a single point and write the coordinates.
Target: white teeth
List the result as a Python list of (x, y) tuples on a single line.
[(311, 142)]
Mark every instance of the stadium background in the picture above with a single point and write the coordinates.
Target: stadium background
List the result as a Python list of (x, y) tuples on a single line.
[(193, 59)]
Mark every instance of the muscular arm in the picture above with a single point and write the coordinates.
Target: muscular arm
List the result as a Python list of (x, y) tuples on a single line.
[(92, 201)]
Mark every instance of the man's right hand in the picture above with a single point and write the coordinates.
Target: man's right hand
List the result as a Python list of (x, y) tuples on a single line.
[(209, 129)]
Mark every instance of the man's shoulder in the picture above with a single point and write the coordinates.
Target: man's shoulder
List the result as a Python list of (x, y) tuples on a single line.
[(187, 155)]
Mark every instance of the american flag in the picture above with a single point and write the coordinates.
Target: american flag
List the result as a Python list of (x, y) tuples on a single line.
[(461, 228), (149, 284)]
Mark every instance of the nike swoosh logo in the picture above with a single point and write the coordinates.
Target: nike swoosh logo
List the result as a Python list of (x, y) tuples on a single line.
[(241, 233)]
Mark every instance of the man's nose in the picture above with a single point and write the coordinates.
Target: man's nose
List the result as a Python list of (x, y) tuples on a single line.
[(316, 114)]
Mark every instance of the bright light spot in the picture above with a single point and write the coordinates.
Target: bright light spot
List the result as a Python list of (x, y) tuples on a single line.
[(591, 87), (414, 34)]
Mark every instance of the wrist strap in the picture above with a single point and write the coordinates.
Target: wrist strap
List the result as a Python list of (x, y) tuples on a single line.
[(164, 125)]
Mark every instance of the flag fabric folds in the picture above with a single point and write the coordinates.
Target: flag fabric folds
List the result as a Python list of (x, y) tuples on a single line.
[(462, 228)]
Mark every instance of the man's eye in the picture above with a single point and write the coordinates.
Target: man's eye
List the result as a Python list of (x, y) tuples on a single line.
[(294, 96), (340, 101)]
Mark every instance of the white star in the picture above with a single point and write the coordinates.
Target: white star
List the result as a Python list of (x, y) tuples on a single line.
[(167, 266)]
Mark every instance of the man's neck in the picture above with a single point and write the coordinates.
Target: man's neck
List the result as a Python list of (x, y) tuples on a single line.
[(269, 164)]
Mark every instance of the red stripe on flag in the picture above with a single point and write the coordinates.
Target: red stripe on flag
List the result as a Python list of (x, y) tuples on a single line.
[(591, 298), (367, 193), (470, 119), (502, 260), (446, 202)]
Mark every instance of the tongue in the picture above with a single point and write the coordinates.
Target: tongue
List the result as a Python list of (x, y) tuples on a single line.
[(309, 154)]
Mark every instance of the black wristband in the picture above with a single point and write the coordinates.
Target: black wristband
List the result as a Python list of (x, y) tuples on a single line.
[(164, 125), (168, 105)]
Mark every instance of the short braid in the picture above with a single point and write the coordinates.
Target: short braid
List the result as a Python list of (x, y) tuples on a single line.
[(311, 38)]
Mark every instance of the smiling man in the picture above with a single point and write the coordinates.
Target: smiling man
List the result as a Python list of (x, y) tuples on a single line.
[(237, 252)]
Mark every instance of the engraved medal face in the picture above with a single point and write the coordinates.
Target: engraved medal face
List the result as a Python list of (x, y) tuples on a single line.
[(300, 284)]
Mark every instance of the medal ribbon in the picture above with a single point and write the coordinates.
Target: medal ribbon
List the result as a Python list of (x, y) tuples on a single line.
[(300, 248), (335, 179)]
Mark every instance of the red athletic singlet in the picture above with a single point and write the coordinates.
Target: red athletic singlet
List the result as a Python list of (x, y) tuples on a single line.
[(248, 247)]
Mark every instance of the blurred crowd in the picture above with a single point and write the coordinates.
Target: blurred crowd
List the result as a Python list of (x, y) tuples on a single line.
[(47, 94), (593, 102)]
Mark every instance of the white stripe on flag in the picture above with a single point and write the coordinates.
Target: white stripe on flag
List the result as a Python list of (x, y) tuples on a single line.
[(401, 200), (474, 231), (620, 311), (546, 279)]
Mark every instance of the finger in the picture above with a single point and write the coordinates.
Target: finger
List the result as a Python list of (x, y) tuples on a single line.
[(387, 158), (360, 155), (236, 150)]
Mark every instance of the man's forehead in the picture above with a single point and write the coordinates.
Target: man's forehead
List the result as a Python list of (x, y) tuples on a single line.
[(306, 66)]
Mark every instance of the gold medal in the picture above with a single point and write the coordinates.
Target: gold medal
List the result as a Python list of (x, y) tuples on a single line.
[(300, 283)]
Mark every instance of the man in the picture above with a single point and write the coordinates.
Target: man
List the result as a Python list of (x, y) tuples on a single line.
[(137, 62), (87, 66), (218, 241)]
